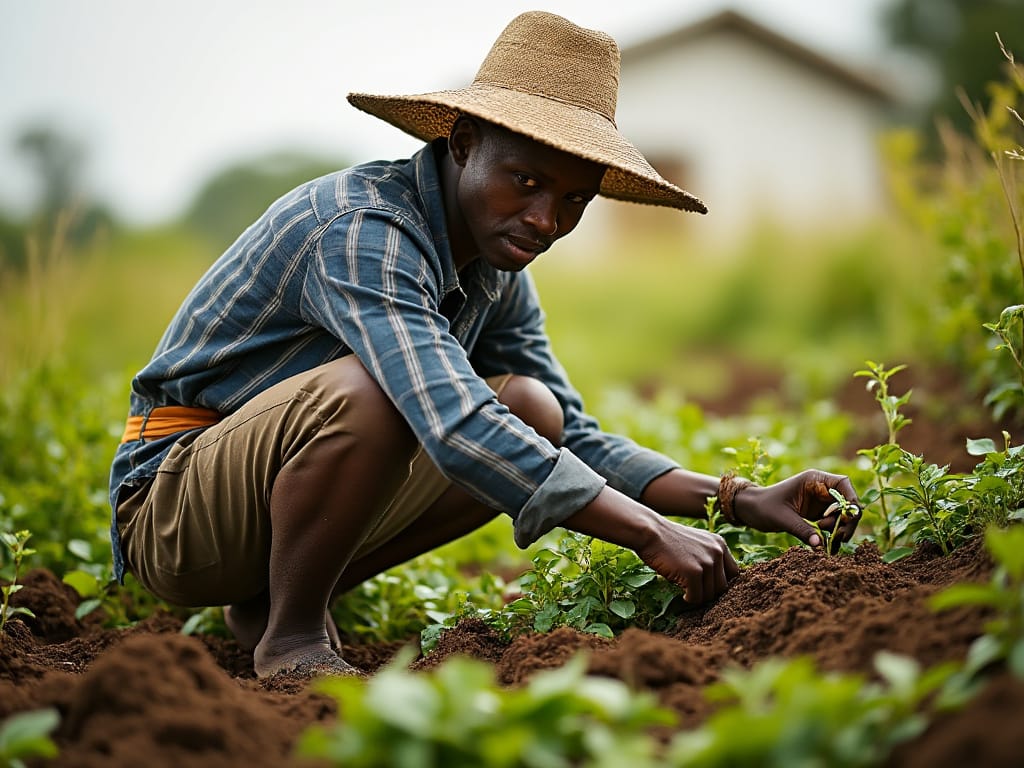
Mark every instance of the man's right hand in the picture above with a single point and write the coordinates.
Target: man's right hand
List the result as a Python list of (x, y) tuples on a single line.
[(696, 560)]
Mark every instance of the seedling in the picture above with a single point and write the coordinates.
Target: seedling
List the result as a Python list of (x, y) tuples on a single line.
[(885, 457), (15, 545), (845, 510)]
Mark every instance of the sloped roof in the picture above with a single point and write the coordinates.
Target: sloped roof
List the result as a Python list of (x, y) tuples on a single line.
[(733, 21)]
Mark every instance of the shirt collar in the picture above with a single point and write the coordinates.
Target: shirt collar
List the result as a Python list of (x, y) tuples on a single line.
[(479, 274)]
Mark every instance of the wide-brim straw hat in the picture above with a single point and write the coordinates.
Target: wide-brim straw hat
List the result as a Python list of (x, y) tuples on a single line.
[(552, 81)]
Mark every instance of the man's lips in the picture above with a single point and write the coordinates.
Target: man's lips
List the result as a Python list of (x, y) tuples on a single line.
[(528, 244)]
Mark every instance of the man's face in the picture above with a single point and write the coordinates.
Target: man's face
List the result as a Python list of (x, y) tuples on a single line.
[(517, 196)]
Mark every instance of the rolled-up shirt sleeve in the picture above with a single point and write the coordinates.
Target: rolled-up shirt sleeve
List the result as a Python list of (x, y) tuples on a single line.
[(369, 284)]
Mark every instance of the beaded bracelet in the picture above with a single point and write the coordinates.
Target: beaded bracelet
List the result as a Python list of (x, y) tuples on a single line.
[(728, 487)]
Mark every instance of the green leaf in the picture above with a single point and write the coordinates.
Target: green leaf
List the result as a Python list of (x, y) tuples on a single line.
[(981, 446), (86, 607), (901, 672), (27, 734), (964, 594), (601, 629), (896, 554), (85, 584), (404, 701), (1007, 548), (545, 618), (639, 579), (1016, 659), (622, 608), (81, 549)]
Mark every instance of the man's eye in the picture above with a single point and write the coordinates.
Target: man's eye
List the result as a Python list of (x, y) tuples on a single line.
[(526, 181), (578, 199)]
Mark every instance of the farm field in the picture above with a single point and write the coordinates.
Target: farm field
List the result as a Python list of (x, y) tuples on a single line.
[(903, 647)]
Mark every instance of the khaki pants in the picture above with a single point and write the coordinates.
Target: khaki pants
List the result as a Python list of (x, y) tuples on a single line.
[(199, 533)]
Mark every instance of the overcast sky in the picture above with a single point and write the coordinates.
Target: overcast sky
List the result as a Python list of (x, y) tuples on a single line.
[(163, 94)]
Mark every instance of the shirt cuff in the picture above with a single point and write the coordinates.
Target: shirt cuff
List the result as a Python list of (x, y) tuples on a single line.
[(570, 487)]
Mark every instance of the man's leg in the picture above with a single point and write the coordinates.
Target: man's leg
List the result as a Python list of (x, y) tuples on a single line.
[(453, 515), (286, 624), (322, 504), (456, 513)]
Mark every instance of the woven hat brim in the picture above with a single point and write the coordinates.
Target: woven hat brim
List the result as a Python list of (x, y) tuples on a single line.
[(571, 129)]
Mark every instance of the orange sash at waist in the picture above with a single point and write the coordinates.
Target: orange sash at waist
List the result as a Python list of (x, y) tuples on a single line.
[(168, 420)]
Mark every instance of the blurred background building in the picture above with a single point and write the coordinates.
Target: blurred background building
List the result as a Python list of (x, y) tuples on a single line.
[(761, 127)]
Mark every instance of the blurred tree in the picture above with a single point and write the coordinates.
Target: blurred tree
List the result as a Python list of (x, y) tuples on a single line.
[(62, 212), (58, 162), (235, 197), (958, 38)]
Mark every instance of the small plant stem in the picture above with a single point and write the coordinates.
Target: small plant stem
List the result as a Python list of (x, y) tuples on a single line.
[(928, 504)]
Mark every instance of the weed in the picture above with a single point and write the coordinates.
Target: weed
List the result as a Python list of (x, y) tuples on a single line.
[(15, 544), (580, 582), (846, 510)]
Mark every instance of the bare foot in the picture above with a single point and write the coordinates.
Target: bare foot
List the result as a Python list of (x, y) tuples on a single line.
[(314, 660), (248, 621)]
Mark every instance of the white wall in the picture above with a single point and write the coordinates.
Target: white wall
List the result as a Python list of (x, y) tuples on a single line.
[(761, 134)]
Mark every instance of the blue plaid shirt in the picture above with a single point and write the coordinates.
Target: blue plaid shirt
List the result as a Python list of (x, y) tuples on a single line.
[(358, 262)]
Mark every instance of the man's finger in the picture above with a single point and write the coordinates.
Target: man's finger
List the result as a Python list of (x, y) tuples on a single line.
[(804, 531), (693, 591), (721, 581), (732, 569)]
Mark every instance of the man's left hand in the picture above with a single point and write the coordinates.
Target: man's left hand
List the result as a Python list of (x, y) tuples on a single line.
[(788, 505)]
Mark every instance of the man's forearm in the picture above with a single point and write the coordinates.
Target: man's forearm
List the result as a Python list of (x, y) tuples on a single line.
[(614, 517), (680, 493)]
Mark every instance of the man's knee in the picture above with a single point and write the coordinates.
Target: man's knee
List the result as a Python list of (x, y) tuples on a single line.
[(361, 406), (532, 401)]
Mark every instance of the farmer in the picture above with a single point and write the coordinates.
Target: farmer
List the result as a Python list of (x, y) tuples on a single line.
[(364, 374)]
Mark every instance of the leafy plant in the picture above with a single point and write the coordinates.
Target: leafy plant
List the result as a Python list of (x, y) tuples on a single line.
[(931, 502), (933, 492), (27, 735), (580, 582), (1004, 634), (458, 717), (400, 603), (15, 545), (787, 713), (1010, 330), (884, 458), (594, 586)]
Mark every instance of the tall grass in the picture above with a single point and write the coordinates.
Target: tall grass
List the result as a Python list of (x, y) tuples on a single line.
[(668, 315)]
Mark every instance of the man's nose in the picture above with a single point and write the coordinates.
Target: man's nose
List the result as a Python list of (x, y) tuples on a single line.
[(543, 216)]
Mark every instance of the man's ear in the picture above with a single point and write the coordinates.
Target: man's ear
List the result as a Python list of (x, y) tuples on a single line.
[(463, 137)]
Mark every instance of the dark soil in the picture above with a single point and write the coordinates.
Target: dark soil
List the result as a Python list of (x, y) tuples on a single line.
[(152, 696)]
